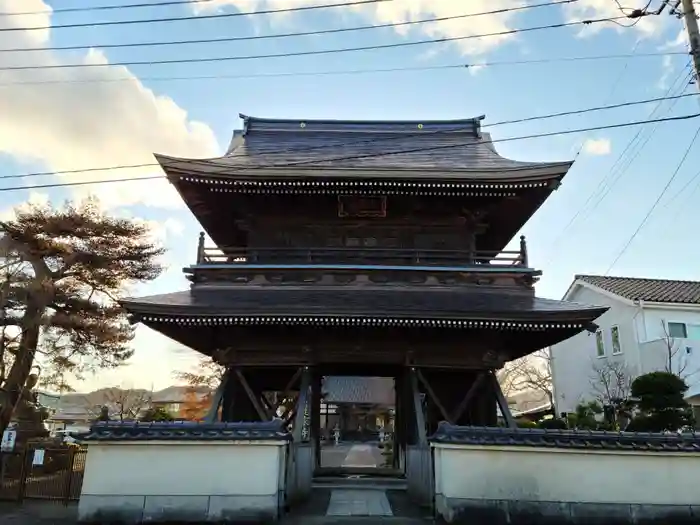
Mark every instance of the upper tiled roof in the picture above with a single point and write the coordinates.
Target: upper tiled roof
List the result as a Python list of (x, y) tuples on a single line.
[(577, 439), (655, 290), (443, 145)]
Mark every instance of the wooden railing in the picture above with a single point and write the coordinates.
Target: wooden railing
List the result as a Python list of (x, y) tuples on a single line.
[(359, 256)]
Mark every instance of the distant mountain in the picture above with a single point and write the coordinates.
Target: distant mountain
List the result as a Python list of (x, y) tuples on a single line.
[(172, 394)]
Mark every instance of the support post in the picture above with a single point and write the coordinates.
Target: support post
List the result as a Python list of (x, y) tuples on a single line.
[(218, 397), (200, 248), (302, 402), (691, 24), (502, 402), (523, 252), (418, 409)]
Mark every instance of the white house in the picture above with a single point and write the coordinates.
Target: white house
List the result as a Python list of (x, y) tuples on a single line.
[(652, 324)]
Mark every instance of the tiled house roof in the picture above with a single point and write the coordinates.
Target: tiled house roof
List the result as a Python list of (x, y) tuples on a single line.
[(359, 390), (573, 439), (655, 290)]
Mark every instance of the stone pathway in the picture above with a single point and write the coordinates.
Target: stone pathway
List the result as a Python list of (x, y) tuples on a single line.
[(361, 456), (349, 502)]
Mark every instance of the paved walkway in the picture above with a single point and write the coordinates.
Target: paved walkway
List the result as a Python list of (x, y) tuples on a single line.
[(348, 502), (363, 456), (347, 455)]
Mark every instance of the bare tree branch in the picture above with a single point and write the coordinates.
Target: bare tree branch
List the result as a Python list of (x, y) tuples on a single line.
[(530, 373)]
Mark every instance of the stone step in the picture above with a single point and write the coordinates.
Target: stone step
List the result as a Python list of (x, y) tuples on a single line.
[(356, 520), (369, 483)]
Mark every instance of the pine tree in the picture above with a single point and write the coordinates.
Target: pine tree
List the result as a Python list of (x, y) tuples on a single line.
[(68, 268)]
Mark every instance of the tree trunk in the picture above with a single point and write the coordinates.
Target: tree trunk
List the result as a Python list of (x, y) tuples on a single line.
[(22, 366)]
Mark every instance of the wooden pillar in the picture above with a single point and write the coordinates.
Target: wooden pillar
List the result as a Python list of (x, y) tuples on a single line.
[(315, 414), (216, 402)]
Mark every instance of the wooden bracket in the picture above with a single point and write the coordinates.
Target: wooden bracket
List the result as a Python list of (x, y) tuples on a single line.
[(434, 397)]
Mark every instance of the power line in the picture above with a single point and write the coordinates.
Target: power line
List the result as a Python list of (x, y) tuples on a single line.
[(233, 169), (191, 17), (393, 45), (614, 175), (656, 202), (287, 35), (108, 7), (349, 71), (361, 142)]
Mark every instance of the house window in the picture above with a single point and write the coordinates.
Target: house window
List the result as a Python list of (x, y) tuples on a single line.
[(615, 337), (600, 343), (693, 331), (677, 330)]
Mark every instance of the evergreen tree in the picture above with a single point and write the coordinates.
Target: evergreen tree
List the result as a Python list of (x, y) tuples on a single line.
[(69, 266)]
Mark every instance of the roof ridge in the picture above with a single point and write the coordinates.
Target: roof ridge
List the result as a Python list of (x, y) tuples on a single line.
[(250, 118), (656, 279)]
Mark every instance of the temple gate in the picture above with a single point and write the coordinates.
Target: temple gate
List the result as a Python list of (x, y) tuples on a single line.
[(350, 249)]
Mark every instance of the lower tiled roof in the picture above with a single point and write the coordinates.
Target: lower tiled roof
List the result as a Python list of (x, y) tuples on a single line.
[(186, 431), (400, 300), (572, 439), (654, 290)]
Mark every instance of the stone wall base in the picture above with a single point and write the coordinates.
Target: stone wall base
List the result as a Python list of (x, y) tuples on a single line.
[(502, 512), (132, 510)]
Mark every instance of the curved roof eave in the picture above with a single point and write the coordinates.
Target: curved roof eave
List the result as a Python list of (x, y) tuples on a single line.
[(214, 166)]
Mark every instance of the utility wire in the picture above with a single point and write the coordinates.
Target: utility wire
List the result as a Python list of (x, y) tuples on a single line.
[(656, 202), (108, 7), (607, 183), (191, 17), (227, 170), (350, 71), (285, 35), (393, 45), (636, 146), (354, 143)]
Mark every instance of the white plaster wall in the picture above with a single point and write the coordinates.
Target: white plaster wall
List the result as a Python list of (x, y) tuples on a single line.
[(465, 472), (574, 360), (190, 468), (655, 316)]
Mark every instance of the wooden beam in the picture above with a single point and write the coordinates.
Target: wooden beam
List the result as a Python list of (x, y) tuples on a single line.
[(210, 417), (468, 397), (434, 397), (502, 402), (418, 410), (251, 395)]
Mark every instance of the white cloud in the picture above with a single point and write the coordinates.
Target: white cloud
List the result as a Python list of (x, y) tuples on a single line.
[(74, 125), (597, 9), (597, 146), (680, 42), (408, 10), (666, 71)]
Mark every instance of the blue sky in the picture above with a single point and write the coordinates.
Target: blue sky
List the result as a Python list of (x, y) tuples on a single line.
[(74, 125)]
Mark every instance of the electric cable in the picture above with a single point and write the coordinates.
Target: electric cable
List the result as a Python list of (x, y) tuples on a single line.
[(656, 202), (190, 17), (284, 35), (356, 143), (233, 169), (613, 176), (376, 47), (347, 71)]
